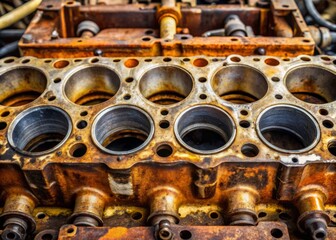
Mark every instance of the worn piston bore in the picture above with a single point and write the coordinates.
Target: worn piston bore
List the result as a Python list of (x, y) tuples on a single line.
[(92, 85), (205, 129), (39, 130), (122, 129), (21, 85), (312, 84), (166, 85), (288, 129), (239, 84)]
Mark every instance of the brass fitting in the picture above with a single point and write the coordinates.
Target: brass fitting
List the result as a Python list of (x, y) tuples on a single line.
[(313, 219), (164, 205), (168, 16), (241, 206), (89, 208), (17, 216)]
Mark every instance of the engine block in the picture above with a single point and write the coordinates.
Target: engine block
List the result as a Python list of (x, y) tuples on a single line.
[(168, 146)]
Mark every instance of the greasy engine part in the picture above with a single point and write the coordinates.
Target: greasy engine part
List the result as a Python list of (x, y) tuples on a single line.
[(168, 148), (69, 29)]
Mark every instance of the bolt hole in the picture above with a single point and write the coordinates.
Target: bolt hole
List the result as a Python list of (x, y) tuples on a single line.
[(328, 124), (146, 39), (61, 64), (127, 97), (295, 160), (78, 150), (70, 230), (278, 96), (167, 59), (149, 32), (272, 62), (5, 114), (164, 124), (188, 60), (244, 124), (323, 112), (325, 58), (136, 216), (235, 59), (185, 234), (3, 125), (203, 96), (262, 214), (47, 61), (276, 233), (250, 150), (116, 60), (84, 113), (129, 80), (41, 215), (9, 60), (164, 112), (244, 112), (51, 98), (275, 79), (25, 61), (214, 215), (200, 62), (95, 60), (148, 60), (202, 79), (57, 80), (131, 63), (305, 59), (164, 150), (256, 59), (82, 124)]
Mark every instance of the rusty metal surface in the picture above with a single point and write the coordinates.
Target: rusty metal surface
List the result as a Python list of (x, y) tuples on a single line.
[(133, 29), (152, 169), (265, 230)]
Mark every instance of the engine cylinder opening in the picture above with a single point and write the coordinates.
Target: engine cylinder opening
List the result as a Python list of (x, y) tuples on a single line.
[(166, 85), (288, 129), (40, 130), (312, 84), (239, 84), (92, 85), (205, 129), (122, 130), (21, 86)]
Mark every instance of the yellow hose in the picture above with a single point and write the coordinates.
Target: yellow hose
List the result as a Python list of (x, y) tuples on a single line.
[(19, 13)]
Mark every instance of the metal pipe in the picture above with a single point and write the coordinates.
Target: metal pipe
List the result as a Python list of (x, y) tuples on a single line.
[(9, 48), (19, 13), (317, 17), (11, 33)]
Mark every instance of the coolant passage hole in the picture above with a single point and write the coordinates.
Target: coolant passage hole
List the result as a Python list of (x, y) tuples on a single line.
[(122, 130), (239, 84), (166, 85), (288, 129), (39, 130), (205, 129), (21, 85), (92, 85), (312, 84)]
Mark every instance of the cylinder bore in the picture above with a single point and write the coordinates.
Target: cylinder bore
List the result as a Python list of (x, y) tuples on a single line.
[(21, 85), (166, 85), (40, 130), (288, 129), (205, 129), (92, 85), (239, 84), (122, 130), (312, 84)]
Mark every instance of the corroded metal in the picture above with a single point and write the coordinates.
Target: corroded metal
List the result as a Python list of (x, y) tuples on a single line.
[(262, 148), (167, 29)]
